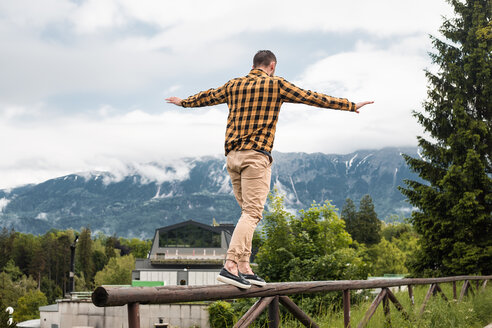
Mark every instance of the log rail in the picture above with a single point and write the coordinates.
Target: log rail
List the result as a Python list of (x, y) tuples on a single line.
[(274, 293)]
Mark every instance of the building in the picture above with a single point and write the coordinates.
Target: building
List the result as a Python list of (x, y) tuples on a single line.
[(187, 253)]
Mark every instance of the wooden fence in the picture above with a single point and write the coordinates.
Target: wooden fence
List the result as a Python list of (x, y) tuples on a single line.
[(274, 294)]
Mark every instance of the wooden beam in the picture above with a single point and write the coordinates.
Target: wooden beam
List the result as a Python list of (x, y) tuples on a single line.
[(297, 312), (438, 288), (116, 296), (253, 312), (454, 290), (273, 313), (372, 308), (346, 308), (484, 284), (430, 292), (397, 304), (464, 290)]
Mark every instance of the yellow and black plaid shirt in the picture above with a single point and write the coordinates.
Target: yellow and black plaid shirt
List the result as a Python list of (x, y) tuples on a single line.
[(254, 104)]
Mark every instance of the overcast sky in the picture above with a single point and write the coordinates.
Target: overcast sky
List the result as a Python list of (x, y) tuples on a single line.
[(82, 83)]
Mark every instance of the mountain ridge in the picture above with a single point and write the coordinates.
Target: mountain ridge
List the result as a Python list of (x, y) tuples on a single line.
[(139, 198)]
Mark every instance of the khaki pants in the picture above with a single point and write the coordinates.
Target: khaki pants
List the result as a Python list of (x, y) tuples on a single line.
[(250, 173)]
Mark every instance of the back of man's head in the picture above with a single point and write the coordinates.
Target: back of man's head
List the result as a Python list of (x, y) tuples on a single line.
[(263, 58)]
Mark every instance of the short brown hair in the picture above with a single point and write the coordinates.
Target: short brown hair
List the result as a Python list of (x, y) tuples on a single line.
[(263, 58)]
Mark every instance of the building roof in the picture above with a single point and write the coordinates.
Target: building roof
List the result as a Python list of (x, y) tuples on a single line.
[(49, 308), (36, 323), (227, 228)]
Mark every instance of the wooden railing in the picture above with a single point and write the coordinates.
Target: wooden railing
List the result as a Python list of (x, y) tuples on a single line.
[(274, 294)]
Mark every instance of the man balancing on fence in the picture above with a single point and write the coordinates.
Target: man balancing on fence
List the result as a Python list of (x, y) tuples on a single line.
[(254, 104)]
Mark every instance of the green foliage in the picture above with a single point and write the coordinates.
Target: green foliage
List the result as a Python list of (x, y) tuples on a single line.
[(312, 246), (221, 314), (28, 305), (455, 204), (11, 290), (5, 316), (118, 271), (6, 245), (51, 289), (363, 225), (84, 255), (139, 248), (482, 306), (388, 258)]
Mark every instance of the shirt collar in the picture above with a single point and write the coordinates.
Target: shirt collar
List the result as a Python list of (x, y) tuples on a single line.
[(258, 72)]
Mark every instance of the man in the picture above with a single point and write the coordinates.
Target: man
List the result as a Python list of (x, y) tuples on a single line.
[(254, 104)]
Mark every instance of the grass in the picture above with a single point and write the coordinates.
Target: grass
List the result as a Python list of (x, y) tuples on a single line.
[(473, 311)]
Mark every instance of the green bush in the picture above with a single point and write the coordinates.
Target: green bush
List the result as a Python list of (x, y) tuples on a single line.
[(221, 314)]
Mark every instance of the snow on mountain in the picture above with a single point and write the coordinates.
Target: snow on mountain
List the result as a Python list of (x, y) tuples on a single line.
[(135, 199)]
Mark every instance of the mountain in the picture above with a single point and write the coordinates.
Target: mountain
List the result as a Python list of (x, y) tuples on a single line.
[(137, 199)]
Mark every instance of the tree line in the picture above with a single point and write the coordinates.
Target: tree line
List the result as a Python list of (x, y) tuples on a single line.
[(34, 270)]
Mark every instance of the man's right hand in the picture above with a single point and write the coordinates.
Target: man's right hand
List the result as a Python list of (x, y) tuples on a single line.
[(362, 104), (174, 100)]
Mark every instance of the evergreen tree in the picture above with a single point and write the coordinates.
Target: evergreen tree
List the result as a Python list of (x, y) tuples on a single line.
[(454, 206), (363, 225), (84, 259), (349, 215), (369, 226)]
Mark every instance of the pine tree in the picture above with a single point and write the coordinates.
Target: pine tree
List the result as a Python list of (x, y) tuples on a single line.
[(369, 226), (363, 225), (349, 215), (455, 204), (83, 254)]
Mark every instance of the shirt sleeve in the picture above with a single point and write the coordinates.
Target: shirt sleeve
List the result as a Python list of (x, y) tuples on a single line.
[(293, 94), (206, 98)]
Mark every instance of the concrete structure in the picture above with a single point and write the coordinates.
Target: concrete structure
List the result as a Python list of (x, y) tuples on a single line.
[(187, 253), (82, 313)]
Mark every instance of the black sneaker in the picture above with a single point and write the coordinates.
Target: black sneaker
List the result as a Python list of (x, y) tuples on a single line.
[(231, 279), (254, 279)]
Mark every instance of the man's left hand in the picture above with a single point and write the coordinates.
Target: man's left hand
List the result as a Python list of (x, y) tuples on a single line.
[(174, 100)]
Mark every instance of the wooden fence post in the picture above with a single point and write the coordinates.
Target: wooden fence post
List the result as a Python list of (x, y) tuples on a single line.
[(346, 308), (386, 308), (454, 290), (133, 315), (273, 314), (410, 294)]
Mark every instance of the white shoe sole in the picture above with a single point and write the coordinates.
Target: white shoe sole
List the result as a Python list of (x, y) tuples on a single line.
[(256, 282), (232, 282)]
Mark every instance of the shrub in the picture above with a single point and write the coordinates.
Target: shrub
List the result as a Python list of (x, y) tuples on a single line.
[(221, 314)]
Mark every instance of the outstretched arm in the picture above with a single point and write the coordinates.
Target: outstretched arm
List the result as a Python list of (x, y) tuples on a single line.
[(205, 98), (294, 94)]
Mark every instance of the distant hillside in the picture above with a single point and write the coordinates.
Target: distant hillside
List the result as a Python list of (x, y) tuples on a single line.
[(136, 201)]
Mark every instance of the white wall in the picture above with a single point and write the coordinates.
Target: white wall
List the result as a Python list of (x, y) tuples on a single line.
[(86, 314)]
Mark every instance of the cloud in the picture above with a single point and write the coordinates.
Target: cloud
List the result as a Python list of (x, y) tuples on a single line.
[(76, 73), (85, 143), (393, 77), (3, 203)]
